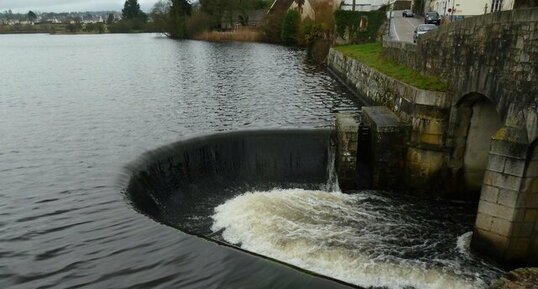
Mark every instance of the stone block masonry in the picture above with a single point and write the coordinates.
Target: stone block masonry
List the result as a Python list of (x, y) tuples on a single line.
[(427, 113), (388, 146), (506, 226), (483, 134), (347, 129), (494, 55), (401, 52), (371, 154)]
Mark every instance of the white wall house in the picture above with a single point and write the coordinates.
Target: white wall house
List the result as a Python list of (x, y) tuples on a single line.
[(307, 10), (467, 7), (364, 5)]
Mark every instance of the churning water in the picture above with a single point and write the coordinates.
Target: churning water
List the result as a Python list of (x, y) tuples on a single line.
[(366, 238), (222, 188)]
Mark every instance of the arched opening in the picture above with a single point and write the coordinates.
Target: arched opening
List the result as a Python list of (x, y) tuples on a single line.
[(482, 121)]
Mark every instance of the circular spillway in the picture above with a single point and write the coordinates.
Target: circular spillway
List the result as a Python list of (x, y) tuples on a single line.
[(180, 184), (266, 192)]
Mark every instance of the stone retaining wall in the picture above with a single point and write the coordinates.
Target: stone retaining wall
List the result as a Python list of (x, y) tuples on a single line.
[(427, 111), (485, 60), (401, 52)]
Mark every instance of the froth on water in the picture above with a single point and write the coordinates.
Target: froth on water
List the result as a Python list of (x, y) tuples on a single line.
[(367, 238)]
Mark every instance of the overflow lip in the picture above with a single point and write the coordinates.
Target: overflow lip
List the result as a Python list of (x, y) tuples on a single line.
[(134, 195)]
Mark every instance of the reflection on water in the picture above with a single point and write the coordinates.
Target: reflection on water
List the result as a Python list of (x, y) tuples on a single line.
[(74, 109)]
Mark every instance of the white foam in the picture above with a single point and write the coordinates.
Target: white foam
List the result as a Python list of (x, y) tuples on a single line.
[(464, 244), (297, 226)]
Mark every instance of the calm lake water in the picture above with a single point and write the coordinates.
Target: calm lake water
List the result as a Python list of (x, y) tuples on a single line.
[(74, 110)]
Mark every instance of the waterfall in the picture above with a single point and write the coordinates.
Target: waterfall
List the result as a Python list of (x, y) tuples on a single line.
[(332, 177)]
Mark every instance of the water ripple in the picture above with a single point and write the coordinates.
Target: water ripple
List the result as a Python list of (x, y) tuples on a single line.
[(75, 109)]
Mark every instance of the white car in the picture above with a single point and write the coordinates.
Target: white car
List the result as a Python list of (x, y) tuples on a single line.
[(422, 29), (408, 13)]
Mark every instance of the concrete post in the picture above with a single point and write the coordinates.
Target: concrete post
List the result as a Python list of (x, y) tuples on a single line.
[(389, 138), (347, 129), (506, 227)]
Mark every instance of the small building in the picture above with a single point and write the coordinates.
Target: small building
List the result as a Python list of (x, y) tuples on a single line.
[(363, 5), (306, 9), (253, 18), (464, 8)]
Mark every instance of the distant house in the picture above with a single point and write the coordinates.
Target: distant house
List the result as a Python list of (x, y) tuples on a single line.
[(463, 8), (363, 5), (306, 10), (280, 5), (253, 18)]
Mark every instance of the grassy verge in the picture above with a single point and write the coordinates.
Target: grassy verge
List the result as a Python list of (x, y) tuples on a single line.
[(370, 54)]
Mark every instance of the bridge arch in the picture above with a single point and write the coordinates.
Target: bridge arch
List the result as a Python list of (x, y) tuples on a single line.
[(479, 120)]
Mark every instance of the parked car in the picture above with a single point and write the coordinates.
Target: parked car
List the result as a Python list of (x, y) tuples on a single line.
[(432, 18), (422, 29), (408, 13)]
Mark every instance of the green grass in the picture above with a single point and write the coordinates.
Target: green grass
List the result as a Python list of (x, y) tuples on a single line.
[(370, 54)]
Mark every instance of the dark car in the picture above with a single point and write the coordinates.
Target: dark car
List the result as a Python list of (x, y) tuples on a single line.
[(408, 13), (432, 18)]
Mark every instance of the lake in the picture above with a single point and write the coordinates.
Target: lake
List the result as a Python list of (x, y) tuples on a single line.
[(76, 109)]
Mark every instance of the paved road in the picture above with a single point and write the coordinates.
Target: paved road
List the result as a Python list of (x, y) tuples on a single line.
[(402, 27)]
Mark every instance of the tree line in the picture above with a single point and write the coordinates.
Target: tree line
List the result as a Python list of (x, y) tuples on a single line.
[(181, 19)]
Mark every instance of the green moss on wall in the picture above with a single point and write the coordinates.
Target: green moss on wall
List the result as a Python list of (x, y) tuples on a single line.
[(370, 54)]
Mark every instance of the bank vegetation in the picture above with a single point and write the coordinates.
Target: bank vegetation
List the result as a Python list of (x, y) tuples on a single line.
[(253, 20), (371, 55), (234, 20)]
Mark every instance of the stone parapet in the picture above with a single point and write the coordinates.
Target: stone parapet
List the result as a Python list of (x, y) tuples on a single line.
[(401, 52), (494, 55)]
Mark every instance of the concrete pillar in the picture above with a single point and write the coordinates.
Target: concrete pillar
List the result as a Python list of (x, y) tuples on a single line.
[(506, 227), (347, 129), (389, 138)]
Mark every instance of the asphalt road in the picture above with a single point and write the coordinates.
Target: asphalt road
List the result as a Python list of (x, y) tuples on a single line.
[(402, 27)]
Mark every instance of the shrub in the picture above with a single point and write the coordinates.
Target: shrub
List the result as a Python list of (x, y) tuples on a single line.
[(272, 28), (290, 27), (198, 23), (318, 34), (349, 22), (125, 26)]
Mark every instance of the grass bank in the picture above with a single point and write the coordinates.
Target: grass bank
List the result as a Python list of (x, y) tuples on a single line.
[(371, 55)]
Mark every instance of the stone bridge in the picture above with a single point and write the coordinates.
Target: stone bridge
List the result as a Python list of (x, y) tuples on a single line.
[(481, 136)]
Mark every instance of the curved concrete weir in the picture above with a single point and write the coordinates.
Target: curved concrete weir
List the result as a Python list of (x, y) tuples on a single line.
[(267, 192), (180, 184)]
